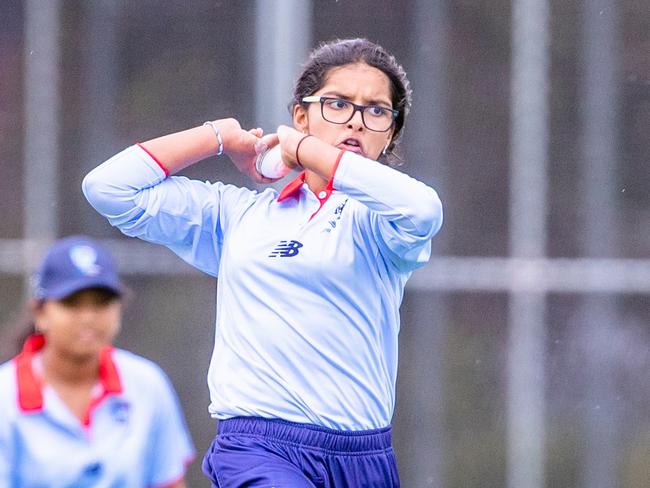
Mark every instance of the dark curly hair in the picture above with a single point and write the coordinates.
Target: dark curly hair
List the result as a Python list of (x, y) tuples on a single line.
[(342, 52)]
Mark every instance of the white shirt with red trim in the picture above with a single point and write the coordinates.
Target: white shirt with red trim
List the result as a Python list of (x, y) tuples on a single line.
[(309, 285), (134, 433)]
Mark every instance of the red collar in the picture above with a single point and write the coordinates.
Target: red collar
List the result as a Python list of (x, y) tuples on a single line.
[(294, 185), (30, 387)]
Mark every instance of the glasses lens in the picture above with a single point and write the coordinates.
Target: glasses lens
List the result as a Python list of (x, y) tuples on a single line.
[(374, 117), (377, 118), (337, 111)]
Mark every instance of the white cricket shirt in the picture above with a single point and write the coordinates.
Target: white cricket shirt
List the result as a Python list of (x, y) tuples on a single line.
[(133, 435), (309, 285)]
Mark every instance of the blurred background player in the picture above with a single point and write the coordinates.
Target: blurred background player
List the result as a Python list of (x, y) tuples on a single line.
[(74, 411)]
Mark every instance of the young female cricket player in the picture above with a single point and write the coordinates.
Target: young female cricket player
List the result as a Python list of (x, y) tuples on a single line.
[(74, 412), (311, 278)]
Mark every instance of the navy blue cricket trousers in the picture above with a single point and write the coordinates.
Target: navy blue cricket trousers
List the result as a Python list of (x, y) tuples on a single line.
[(256, 452)]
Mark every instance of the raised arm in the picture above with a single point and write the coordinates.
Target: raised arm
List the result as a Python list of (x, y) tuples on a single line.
[(404, 212), (181, 149), (134, 192)]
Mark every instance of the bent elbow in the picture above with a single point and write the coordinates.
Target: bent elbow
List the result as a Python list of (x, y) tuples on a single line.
[(94, 189), (108, 197), (89, 185), (428, 216)]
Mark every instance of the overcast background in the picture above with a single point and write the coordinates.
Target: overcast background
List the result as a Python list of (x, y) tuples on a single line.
[(525, 342)]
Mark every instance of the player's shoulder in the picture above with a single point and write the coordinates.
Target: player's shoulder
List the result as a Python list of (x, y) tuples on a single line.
[(246, 195), (233, 198), (139, 371), (134, 364)]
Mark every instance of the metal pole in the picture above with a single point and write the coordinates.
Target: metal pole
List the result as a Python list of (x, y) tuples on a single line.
[(528, 185), (97, 113), (601, 96), (42, 58), (283, 38), (420, 420)]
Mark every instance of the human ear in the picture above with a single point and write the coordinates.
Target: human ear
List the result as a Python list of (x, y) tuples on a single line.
[(389, 139), (300, 118), (39, 316)]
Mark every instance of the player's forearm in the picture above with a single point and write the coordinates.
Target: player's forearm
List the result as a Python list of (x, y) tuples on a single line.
[(318, 156), (413, 207), (181, 149), (308, 152)]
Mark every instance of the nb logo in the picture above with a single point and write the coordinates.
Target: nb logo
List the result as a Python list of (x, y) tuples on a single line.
[(286, 249)]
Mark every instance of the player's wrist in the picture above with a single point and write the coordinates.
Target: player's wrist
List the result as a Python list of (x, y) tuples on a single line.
[(232, 136), (214, 128), (300, 142)]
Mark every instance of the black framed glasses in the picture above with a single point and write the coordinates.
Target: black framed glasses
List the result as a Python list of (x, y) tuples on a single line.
[(339, 111)]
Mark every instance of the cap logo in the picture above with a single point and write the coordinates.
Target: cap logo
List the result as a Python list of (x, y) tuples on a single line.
[(85, 260)]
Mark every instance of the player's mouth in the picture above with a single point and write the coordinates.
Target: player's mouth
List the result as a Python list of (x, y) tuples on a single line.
[(353, 145), (89, 335)]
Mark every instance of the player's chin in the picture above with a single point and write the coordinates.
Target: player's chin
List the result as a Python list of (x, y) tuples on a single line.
[(85, 350), (83, 355)]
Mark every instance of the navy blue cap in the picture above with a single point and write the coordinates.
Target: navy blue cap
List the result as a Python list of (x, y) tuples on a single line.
[(72, 264)]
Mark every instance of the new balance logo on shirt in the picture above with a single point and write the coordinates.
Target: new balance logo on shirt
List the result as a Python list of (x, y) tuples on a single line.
[(286, 249)]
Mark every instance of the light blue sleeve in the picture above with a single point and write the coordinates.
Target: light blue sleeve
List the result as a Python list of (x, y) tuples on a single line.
[(5, 454), (189, 217), (404, 213), (171, 447), (7, 461)]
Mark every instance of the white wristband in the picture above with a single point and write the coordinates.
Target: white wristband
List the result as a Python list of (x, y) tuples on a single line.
[(218, 134)]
